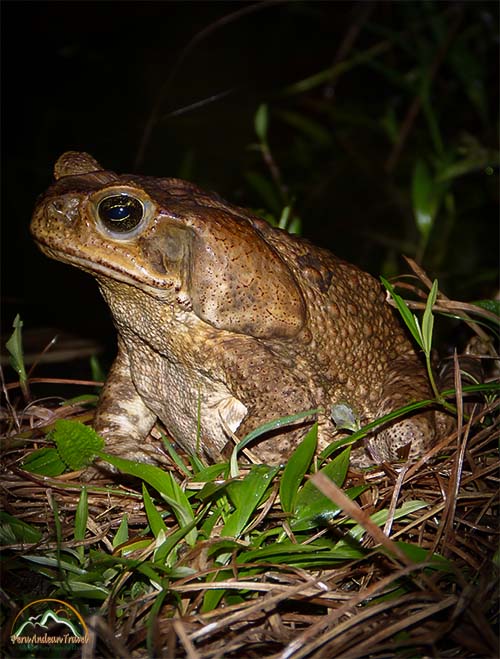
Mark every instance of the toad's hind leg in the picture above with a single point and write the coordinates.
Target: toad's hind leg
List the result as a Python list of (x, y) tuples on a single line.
[(410, 436)]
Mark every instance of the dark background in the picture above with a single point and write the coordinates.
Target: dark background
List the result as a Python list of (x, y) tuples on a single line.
[(91, 75)]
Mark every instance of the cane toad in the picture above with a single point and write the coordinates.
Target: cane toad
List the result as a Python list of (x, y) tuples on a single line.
[(225, 322)]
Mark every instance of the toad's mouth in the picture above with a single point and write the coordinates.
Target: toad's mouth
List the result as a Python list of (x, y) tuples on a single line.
[(129, 273)]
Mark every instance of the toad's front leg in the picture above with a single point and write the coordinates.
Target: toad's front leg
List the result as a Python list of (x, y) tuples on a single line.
[(122, 418)]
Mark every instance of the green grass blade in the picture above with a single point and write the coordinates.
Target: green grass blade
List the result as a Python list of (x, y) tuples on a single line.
[(163, 482), (428, 318), (156, 523), (81, 518), (162, 554), (266, 427), (121, 535), (296, 468), (15, 348), (409, 318), (246, 496), (312, 508)]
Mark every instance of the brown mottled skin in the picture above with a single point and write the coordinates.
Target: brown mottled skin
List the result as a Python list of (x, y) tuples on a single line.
[(218, 311)]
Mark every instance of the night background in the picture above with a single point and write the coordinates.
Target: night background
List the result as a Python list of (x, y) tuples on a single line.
[(360, 96)]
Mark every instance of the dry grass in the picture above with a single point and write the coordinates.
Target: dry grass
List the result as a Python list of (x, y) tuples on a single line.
[(380, 606)]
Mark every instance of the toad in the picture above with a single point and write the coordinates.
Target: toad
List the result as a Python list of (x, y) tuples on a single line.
[(225, 322)]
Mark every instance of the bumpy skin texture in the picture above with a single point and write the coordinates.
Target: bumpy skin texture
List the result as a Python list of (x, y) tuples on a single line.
[(218, 311)]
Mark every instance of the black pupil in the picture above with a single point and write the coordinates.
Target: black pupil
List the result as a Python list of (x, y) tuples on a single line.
[(120, 213)]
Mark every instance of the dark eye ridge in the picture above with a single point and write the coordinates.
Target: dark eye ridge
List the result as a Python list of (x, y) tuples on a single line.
[(120, 213)]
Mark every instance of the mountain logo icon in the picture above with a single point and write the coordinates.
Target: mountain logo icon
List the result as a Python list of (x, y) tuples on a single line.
[(48, 622)]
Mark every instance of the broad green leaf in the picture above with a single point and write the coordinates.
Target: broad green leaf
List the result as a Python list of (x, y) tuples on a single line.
[(310, 555), (289, 222), (362, 432), (82, 399), (171, 542), (76, 443), (57, 522), (84, 589), (223, 546), (152, 622), (389, 123), (493, 306), (98, 374), (13, 531), (212, 598), (476, 160), (471, 73), (295, 469), (196, 463), (210, 473), (176, 458), (133, 545), (284, 217), (45, 461), (420, 555), (330, 74), (52, 561)]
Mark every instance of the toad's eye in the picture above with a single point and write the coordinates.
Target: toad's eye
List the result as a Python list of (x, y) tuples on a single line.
[(120, 213)]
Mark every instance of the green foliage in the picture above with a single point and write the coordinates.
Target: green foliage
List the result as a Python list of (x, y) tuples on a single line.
[(81, 519), (295, 469), (418, 145), (45, 461), (422, 335), (261, 122), (121, 535), (492, 306), (76, 443), (246, 495), (76, 447), (155, 520), (13, 530), (15, 348), (312, 508), (164, 483), (264, 428)]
